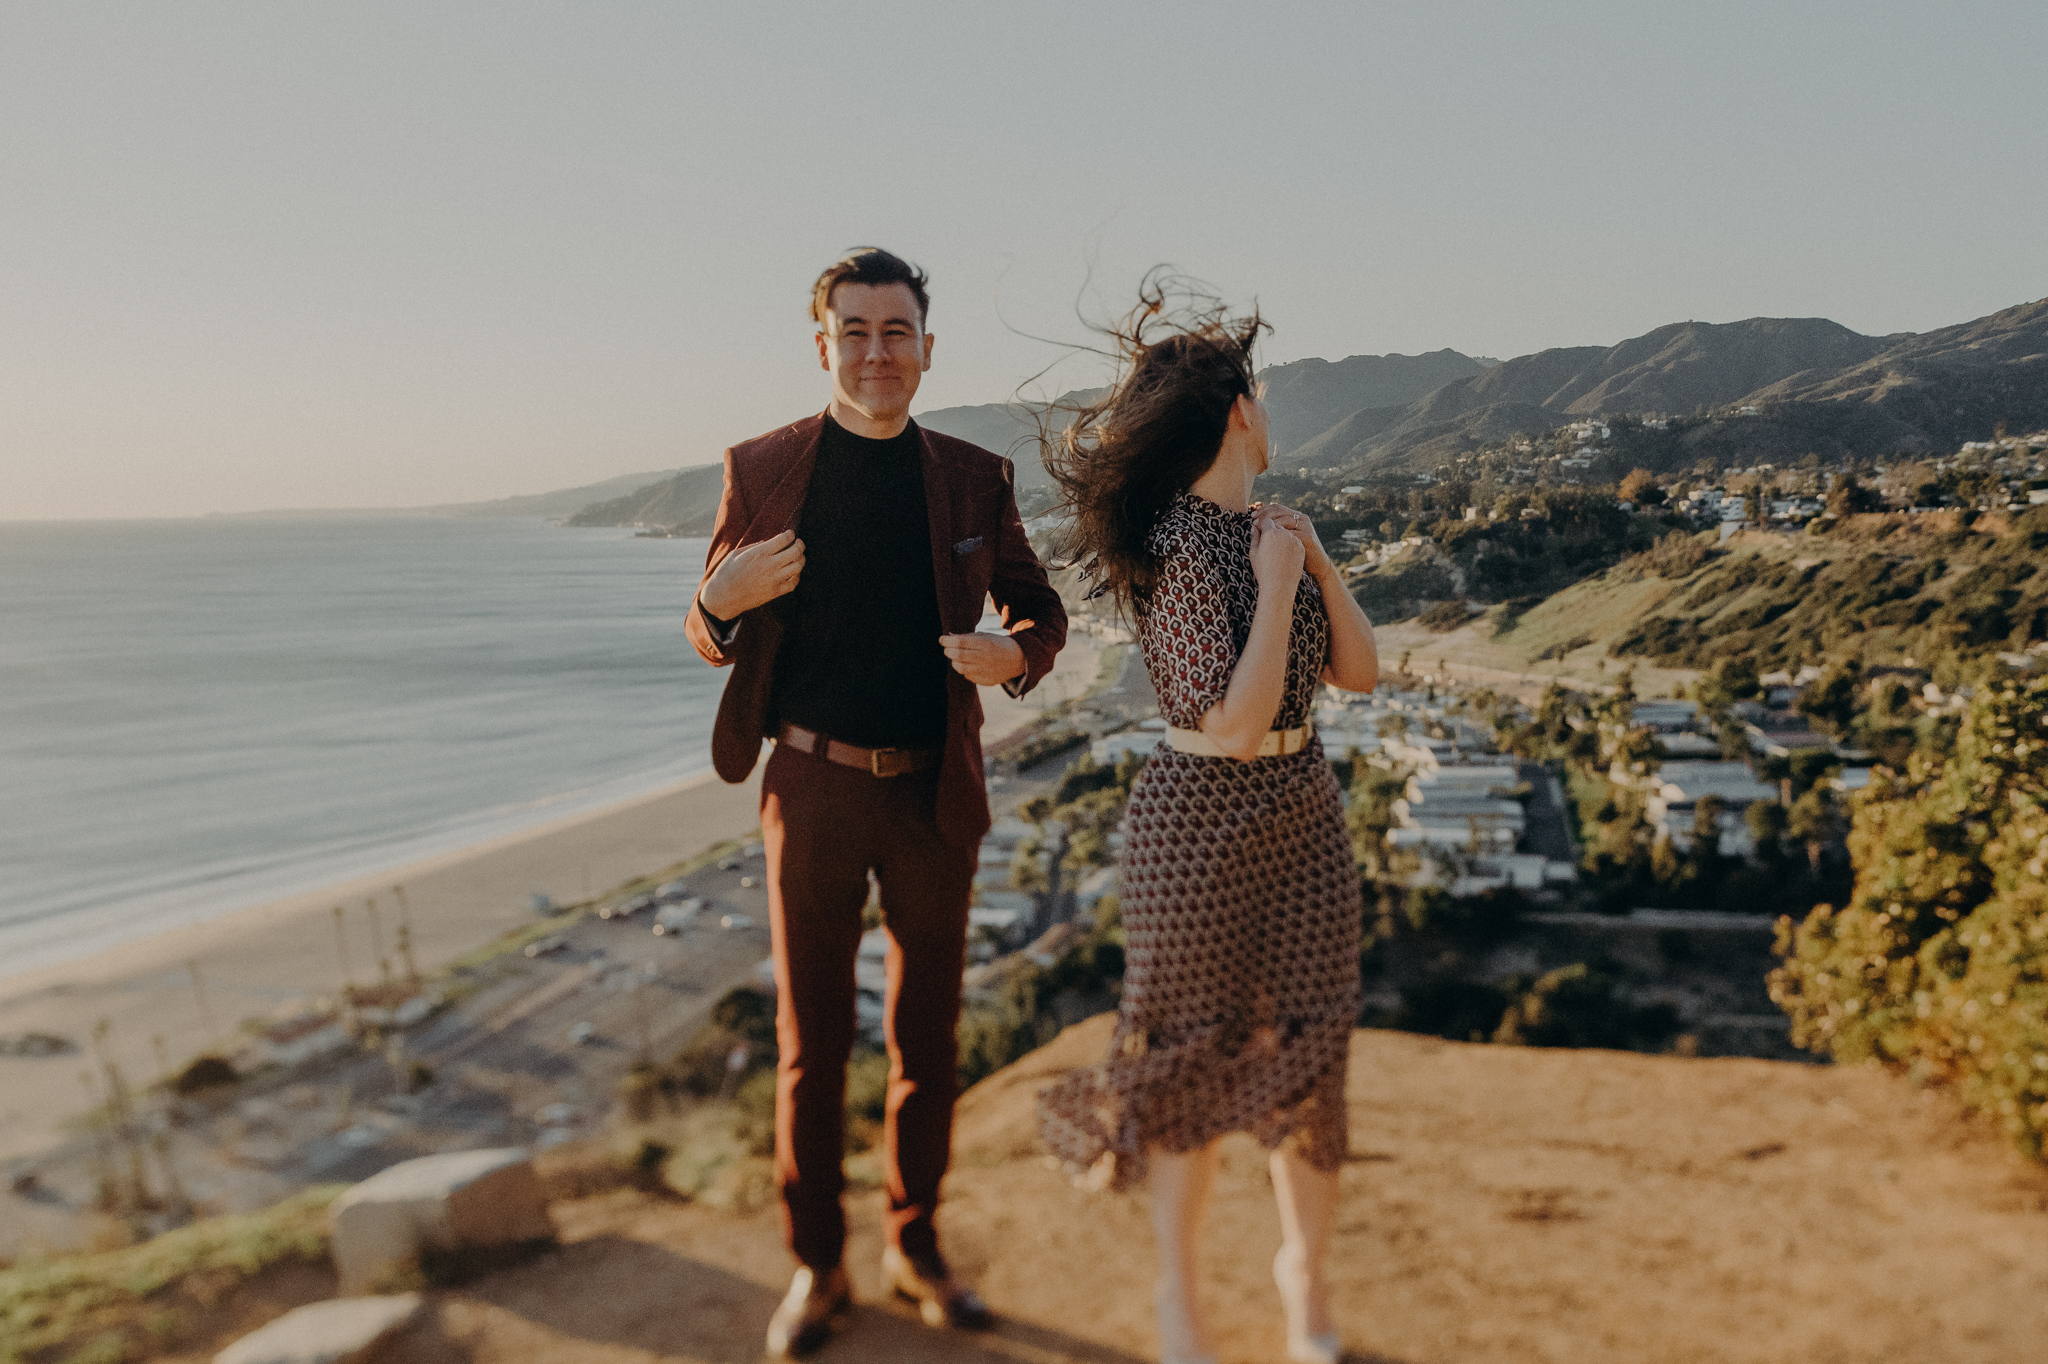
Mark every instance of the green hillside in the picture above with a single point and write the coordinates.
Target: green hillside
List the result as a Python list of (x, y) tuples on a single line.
[(1882, 588)]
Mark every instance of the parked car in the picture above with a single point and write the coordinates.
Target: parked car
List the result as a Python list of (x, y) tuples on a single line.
[(626, 909), (540, 947), (582, 1033), (672, 892), (736, 921), (675, 918)]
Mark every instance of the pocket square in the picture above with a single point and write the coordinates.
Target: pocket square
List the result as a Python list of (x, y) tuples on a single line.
[(968, 546)]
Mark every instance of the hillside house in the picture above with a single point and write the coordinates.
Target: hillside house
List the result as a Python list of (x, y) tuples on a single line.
[(1523, 871), (1665, 717), (1676, 790)]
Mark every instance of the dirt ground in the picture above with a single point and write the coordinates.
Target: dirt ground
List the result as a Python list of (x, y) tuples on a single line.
[(1501, 1204)]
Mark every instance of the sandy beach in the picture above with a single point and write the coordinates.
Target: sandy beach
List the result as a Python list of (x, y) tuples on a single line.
[(257, 961)]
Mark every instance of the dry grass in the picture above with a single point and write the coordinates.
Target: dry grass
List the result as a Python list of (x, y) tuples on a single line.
[(139, 1301)]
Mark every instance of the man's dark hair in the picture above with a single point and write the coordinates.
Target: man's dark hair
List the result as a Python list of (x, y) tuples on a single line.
[(869, 265)]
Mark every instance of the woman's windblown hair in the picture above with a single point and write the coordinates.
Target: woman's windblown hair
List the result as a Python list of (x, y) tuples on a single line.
[(1182, 361)]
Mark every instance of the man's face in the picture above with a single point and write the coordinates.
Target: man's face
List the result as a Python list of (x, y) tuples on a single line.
[(874, 346)]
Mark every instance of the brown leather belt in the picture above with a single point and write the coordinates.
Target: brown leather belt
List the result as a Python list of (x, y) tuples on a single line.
[(881, 762)]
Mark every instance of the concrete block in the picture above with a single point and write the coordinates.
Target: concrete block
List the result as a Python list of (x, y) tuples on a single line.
[(449, 1202), (339, 1331)]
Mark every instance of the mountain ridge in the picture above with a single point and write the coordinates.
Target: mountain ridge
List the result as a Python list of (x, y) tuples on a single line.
[(1906, 392), (1815, 384)]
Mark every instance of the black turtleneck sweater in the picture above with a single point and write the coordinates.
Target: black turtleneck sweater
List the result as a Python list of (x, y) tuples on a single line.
[(860, 659)]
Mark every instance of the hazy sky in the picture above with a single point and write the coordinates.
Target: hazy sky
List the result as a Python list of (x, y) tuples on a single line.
[(354, 254)]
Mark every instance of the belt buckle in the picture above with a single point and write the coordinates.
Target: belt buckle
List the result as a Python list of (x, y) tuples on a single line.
[(875, 760)]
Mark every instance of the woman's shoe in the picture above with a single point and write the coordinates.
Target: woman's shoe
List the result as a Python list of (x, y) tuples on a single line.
[(1176, 1330), (1302, 1348)]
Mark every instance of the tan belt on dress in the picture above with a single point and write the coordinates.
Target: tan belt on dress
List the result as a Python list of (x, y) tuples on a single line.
[(881, 762), (1278, 743)]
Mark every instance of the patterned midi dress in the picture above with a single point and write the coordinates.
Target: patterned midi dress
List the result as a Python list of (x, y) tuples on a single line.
[(1240, 898)]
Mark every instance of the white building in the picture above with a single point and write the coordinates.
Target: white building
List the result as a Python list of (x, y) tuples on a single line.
[(1677, 789)]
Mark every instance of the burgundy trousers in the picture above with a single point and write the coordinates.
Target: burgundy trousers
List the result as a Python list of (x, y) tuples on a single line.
[(825, 826)]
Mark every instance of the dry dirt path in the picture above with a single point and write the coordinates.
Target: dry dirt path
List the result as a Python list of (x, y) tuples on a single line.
[(1501, 1204)]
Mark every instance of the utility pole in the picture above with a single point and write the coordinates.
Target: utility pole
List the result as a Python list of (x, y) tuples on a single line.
[(102, 1161), (377, 942), (348, 975), (160, 1139), (123, 1115), (412, 967)]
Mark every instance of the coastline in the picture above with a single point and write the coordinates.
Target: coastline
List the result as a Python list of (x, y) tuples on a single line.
[(255, 961)]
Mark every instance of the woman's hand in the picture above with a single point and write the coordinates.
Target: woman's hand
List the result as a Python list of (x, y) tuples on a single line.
[(1277, 558), (1297, 524)]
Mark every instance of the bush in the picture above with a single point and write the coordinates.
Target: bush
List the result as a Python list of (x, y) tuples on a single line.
[(1446, 1006), (867, 1097), (1445, 616), (1581, 1005), (1024, 1013), (1677, 555), (1042, 746), (1937, 965), (117, 1296), (205, 1072), (1511, 612), (743, 1017)]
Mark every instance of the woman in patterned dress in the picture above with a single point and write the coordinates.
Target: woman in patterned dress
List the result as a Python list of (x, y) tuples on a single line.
[(1240, 900)]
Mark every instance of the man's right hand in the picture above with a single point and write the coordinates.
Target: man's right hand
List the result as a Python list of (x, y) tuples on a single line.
[(752, 575)]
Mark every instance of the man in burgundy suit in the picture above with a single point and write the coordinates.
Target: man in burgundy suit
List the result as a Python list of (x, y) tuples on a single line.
[(852, 555)]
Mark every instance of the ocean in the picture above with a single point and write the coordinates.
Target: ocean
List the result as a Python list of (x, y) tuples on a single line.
[(199, 716)]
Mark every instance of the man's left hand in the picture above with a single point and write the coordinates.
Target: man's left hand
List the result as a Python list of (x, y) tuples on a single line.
[(986, 660)]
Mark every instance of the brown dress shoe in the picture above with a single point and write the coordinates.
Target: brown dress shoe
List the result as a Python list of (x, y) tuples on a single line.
[(941, 1299), (804, 1320)]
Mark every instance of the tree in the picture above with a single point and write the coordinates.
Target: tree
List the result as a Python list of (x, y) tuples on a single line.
[(1938, 962), (1635, 484), (1767, 821), (1848, 497), (1830, 699), (1706, 828), (1816, 821), (1729, 680)]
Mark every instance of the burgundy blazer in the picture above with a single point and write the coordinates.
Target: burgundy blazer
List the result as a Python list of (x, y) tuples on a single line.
[(978, 550)]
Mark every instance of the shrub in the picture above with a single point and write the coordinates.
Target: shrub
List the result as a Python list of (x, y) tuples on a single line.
[(1581, 1005), (742, 1016), (1444, 1006), (1677, 555), (867, 1097), (1511, 612), (1445, 616), (119, 1299), (1042, 746), (205, 1072), (1937, 965)]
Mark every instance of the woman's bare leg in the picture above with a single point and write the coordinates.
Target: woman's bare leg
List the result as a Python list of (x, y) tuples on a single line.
[(1308, 1210), (1181, 1182)]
